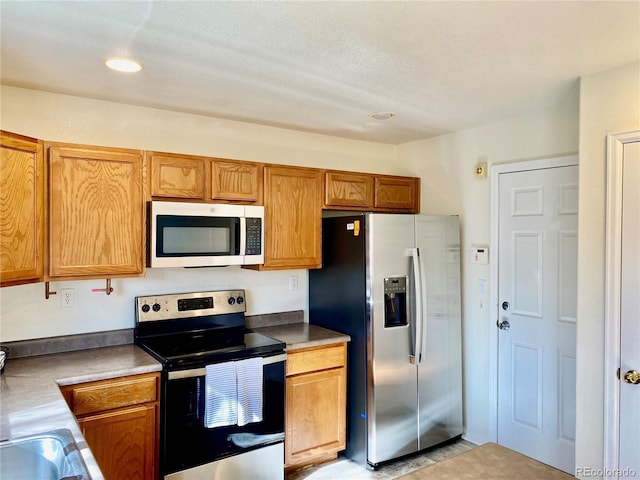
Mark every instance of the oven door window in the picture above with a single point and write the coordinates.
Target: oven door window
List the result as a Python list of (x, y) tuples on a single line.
[(182, 236), (186, 442)]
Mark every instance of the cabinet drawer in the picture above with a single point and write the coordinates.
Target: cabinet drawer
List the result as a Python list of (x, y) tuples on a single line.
[(320, 358), (109, 394)]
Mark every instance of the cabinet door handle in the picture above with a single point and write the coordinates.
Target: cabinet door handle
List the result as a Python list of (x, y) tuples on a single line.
[(108, 289)]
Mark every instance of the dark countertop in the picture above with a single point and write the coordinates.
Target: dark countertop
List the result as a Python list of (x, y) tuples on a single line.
[(303, 335)]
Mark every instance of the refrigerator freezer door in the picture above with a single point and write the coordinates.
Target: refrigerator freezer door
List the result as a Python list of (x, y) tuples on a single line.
[(440, 369), (338, 300), (392, 400)]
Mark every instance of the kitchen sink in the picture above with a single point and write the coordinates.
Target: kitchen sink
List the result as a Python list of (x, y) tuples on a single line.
[(51, 455)]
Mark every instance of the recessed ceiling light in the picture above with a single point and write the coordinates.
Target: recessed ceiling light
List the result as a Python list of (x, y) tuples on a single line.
[(381, 115), (123, 65)]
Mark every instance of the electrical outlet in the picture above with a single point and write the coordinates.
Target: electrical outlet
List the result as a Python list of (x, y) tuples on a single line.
[(293, 283), (66, 298)]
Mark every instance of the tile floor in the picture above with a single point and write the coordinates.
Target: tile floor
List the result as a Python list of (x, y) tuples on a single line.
[(345, 469)]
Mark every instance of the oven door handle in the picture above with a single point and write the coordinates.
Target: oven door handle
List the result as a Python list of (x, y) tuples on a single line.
[(201, 372)]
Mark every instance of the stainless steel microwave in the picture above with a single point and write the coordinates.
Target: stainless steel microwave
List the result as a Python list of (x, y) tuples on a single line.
[(205, 235)]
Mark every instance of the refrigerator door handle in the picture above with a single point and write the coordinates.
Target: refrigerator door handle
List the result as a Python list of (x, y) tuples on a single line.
[(417, 298), (423, 311)]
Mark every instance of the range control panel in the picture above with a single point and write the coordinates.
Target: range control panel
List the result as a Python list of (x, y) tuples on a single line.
[(185, 305)]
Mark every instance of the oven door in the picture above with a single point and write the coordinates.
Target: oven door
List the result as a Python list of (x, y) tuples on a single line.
[(188, 446)]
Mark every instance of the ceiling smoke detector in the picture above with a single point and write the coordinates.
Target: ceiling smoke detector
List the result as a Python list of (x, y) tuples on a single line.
[(381, 115), (123, 65)]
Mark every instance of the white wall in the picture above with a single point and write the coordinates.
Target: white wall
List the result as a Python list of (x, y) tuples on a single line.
[(24, 311), (609, 103), (446, 165), (26, 314)]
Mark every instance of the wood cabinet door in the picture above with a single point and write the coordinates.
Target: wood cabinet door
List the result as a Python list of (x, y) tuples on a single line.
[(315, 423), (177, 177), (344, 189), (96, 212), (123, 442), (397, 193), (293, 217), (236, 181), (21, 210)]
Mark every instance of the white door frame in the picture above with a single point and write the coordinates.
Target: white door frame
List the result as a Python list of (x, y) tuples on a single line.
[(615, 155), (496, 171)]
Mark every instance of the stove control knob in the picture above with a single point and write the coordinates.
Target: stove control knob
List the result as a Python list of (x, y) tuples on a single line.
[(156, 307), (240, 300), (145, 308), (231, 300)]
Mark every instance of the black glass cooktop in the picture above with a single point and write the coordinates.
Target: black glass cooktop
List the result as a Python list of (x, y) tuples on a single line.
[(197, 349)]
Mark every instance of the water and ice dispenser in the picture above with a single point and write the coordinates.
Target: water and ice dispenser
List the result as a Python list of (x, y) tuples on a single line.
[(395, 302)]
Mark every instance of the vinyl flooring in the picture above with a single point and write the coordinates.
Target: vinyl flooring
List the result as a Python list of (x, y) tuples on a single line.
[(345, 469)]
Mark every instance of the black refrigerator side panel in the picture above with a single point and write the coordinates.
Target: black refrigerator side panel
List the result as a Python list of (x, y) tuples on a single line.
[(337, 300)]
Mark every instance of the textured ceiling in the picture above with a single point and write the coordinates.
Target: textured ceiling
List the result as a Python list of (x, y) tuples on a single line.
[(322, 66)]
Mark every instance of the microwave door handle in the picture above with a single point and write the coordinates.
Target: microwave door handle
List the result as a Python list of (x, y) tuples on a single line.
[(243, 236)]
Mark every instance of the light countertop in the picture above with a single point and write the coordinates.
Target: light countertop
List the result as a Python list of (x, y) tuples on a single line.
[(30, 397)]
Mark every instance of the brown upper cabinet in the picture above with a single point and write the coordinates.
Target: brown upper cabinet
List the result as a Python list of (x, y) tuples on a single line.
[(96, 212), (348, 190), (94, 224), (21, 210), (204, 179), (397, 193), (363, 191), (177, 177), (293, 217), (236, 181)]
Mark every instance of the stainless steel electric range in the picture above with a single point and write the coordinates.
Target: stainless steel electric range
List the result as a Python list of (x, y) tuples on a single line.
[(223, 387)]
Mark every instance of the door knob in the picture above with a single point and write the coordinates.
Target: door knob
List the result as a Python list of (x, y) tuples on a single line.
[(632, 377), (504, 325)]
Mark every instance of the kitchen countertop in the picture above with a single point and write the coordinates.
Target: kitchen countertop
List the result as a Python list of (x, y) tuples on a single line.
[(303, 335), (30, 397)]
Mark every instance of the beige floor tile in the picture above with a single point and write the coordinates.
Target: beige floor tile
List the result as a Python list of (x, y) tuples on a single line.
[(345, 469)]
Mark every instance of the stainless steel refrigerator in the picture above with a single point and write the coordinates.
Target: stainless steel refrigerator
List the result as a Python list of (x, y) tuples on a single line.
[(392, 282)]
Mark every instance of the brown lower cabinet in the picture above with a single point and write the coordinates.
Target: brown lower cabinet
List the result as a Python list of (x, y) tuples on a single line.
[(315, 420), (119, 420)]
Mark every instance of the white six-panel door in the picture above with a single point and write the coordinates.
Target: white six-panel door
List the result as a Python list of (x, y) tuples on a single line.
[(537, 312)]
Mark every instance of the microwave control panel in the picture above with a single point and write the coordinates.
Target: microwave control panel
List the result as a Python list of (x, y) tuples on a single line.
[(254, 236)]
